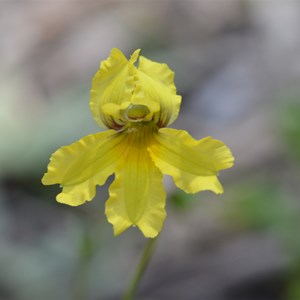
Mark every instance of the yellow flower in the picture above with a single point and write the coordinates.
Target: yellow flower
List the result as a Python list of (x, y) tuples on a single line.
[(136, 104)]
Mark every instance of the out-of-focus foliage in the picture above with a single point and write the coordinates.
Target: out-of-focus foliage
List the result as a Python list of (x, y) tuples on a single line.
[(181, 200), (266, 206), (259, 206), (290, 123)]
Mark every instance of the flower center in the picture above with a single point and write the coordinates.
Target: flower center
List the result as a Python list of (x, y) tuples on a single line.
[(136, 113)]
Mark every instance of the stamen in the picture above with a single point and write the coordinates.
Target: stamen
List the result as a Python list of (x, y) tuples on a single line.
[(137, 112)]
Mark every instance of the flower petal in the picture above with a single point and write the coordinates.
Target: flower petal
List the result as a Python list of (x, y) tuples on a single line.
[(156, 81), (137, 195), (193, 164), (113, 83), (79, 167)]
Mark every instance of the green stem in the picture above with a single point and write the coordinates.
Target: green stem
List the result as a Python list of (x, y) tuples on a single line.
[(140, 270)]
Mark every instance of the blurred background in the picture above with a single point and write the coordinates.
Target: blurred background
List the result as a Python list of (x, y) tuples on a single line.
[(237, 66)]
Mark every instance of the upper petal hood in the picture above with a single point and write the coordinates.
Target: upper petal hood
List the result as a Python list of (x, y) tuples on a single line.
[(118, 87), (156, 81), (113, 84)]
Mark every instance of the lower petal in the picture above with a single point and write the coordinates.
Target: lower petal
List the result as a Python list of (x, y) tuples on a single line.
[(79, 167), (193, 164), (137, 196)]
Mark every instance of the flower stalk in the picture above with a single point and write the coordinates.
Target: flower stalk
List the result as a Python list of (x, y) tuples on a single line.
[(140, 270)]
